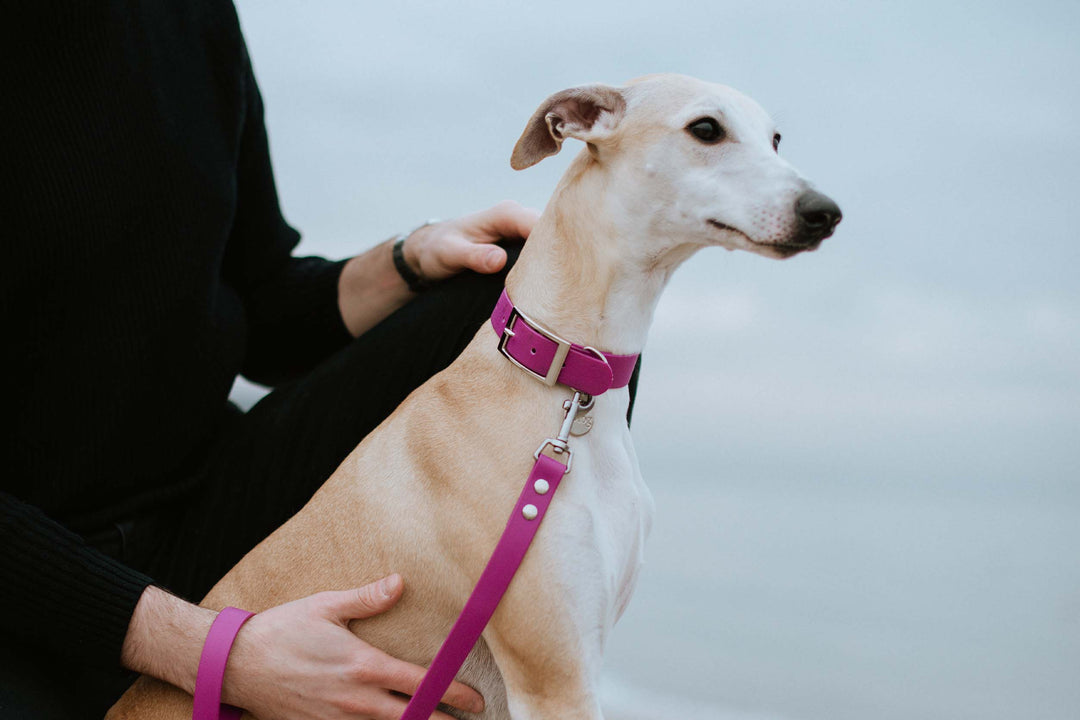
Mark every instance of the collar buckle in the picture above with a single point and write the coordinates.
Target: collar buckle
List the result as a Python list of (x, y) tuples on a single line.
[(561, 351)]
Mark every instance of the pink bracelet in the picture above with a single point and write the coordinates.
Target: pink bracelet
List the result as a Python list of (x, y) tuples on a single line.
[(211, 673)]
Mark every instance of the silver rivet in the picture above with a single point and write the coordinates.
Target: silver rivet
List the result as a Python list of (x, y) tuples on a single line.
[(541, 486), (529, 512)]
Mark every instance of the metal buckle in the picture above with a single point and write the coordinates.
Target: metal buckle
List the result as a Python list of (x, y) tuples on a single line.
[(597, 353), (561, 351)]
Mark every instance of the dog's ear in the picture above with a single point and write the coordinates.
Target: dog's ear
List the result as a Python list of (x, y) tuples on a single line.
[(587, 112)]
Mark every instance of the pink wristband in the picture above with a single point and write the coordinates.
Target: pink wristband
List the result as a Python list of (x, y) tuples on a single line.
[(215, 654)]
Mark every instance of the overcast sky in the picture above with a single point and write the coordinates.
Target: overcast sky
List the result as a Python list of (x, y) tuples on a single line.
[(936, 334), (931, 347)]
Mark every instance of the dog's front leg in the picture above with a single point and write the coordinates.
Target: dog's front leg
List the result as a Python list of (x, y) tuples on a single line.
[(547, 635), (539, 687), (543, 686)]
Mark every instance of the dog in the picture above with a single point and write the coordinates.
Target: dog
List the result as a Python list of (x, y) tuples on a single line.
[(671, 165)]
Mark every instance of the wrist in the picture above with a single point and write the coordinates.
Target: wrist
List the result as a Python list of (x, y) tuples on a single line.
[(405, 266), (370, 289), (165, 638), (406, 261)]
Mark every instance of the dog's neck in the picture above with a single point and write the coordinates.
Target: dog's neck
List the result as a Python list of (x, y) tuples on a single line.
[(586, 277)]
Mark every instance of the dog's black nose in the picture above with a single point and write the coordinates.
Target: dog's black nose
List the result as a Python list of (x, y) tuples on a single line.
[(818, 214)]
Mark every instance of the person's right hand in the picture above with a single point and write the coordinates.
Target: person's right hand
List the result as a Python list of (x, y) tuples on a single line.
[(299, 661)]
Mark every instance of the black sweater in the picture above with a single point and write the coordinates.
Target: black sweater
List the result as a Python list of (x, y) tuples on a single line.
[(146, 264)]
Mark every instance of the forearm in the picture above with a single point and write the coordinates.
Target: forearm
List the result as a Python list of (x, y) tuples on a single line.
[(296, 661), (59, 594), (165, 638), (370, 289)]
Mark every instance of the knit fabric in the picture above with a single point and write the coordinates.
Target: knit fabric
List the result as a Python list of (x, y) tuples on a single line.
[(147, 263)]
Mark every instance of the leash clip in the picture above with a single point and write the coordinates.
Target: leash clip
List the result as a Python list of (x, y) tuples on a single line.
[(559, 444)]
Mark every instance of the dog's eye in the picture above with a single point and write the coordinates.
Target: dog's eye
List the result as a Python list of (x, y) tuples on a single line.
[(706, 129), (776, 142)]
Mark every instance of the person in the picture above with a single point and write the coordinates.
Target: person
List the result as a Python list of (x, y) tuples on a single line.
[(148, 264)]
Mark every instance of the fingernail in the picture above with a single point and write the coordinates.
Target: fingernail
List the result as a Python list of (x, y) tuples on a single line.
[(478, 706), (493, 256), (387, 585)]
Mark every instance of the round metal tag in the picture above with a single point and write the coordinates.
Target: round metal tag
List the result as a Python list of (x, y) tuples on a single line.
[(581, 425)]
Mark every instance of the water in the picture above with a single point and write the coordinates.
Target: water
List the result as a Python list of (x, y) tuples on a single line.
[(768, 601)]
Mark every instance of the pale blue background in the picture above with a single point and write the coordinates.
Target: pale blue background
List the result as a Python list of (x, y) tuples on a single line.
[(865, 459)]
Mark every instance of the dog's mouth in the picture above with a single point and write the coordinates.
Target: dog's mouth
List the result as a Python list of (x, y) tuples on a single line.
[(724, 226), (782, 249)]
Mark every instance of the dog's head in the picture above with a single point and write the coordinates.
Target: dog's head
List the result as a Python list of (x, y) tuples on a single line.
[(693, 162)]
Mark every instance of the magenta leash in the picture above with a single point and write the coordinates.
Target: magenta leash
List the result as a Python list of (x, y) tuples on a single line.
[(211, 673), (516, 538)]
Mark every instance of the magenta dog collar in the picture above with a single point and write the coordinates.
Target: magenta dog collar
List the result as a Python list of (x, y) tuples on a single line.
[(551, 359)]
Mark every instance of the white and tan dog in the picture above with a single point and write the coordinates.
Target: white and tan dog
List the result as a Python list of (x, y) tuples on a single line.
[(672, 165)]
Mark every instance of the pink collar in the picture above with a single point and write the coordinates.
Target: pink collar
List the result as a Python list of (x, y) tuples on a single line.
[(550, 359)]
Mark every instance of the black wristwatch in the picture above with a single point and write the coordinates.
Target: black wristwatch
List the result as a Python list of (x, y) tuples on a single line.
[(412, 279)]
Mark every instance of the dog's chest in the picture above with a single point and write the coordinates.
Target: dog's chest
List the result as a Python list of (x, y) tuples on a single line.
[(602, 518)]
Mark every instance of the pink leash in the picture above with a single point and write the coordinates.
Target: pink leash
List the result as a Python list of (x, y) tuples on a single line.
[(215, 654), (516, 538), (550, 359)]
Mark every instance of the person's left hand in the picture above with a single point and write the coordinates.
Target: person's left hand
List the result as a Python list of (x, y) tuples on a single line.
[(443, 249)]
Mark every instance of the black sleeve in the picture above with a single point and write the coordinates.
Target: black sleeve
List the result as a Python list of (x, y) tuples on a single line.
[(290, 303), (58, 592)]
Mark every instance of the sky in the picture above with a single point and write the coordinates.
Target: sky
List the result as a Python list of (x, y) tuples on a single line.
[(927, 354)]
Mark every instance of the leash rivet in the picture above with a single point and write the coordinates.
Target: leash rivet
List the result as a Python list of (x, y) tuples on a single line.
[(541, 486), (529, 512)]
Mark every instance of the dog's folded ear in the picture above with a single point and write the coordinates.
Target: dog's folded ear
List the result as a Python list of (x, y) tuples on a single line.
[(587, 112)]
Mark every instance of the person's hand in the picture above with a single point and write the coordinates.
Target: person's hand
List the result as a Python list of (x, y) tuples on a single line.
[(370, 287), (443, 249), (299, 661)]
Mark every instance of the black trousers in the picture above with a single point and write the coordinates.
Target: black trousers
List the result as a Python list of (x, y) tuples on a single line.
[(265, 465)]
